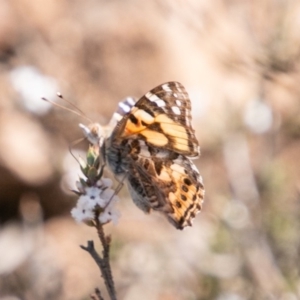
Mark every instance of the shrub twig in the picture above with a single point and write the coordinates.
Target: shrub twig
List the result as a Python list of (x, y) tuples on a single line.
[(102, 262)]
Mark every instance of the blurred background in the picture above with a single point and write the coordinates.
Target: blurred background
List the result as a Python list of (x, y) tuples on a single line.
[(239, 62)]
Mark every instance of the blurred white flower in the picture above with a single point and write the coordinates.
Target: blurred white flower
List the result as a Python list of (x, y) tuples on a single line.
[(258, 116), (32, 85)]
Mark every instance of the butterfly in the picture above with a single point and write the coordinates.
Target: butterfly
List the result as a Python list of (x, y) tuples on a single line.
[(150, 148)]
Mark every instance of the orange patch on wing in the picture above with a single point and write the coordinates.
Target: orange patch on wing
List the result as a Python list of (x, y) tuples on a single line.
[(178, 171), (177, 131), (140, 116), (155, 138), (172, 198), (164, 175)]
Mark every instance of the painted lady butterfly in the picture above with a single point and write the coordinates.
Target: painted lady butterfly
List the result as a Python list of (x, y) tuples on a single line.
[(150, 148)]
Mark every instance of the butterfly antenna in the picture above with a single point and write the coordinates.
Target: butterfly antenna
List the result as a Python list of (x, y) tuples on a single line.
[(59, 95), (76, 111)]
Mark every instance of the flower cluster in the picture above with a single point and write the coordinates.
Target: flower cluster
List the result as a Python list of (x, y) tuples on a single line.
[(96, 198)]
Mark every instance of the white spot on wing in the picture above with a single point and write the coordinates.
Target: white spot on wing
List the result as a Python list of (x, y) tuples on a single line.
[(166, 87), (178, 102), (160, 103), (157, 100), (176, 110), (152, 97)]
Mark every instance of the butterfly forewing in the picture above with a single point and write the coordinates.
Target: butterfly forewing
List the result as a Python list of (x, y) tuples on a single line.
[(162, 117)]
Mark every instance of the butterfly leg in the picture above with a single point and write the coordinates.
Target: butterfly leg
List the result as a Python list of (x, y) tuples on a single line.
[(119, 187), (121, 182)]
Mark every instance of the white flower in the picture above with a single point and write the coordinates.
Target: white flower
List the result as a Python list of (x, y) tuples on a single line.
[(258, 116), (109, 214), (82, 215), (97, 198)]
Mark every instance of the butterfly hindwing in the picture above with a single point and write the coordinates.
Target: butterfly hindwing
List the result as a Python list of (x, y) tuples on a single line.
[(165, 181)]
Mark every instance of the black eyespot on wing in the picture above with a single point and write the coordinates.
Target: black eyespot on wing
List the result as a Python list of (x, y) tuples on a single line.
[(178, 204), (183, 197), (184, 188), (187, 181)]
